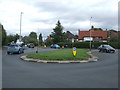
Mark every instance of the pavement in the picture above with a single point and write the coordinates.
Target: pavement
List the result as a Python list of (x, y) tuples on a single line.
[(17, 73)]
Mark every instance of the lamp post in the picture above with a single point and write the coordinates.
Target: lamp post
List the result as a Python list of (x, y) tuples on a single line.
[(20, 25), (37, 45), (90, 32)]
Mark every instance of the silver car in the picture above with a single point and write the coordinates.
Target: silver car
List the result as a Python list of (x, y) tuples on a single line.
[(106, 48)]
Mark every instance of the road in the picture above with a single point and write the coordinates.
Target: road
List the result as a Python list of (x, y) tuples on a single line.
[(22, 74)]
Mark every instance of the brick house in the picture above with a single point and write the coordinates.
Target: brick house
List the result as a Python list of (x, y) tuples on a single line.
[(96, 35)]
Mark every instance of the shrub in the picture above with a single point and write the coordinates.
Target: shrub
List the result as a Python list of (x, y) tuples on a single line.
[(94, 45)]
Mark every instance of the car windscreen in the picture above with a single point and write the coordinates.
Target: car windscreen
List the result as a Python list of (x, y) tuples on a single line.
[(57, 45), (13, 46), (32, 44), (107, 46)]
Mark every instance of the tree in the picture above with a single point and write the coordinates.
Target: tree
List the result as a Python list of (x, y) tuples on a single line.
[(40, 39), (98, 29), (33, 35), (10, 38), (112, 30), (33, 38), (57, 34), (26, 39), (16, 37), (3, 32), (49, 42), (76, 36)]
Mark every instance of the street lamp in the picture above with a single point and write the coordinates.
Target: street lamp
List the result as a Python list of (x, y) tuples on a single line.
[(90, 33), (20, 25)]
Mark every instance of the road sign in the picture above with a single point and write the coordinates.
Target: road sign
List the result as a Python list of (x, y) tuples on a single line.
[(74, 51)]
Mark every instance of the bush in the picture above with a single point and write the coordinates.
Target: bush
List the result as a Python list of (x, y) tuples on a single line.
[(49, 42), (95, 45), (115, 45)]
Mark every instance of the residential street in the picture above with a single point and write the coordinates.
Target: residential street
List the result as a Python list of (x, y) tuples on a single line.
[(17, 73)]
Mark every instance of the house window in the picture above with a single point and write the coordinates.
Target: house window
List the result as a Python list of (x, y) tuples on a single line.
[(96, 37), (88, 38)]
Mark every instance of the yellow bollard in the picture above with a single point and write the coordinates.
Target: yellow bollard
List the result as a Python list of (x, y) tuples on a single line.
[(37, 49), (44, 46), (62, 47), (74, 51)]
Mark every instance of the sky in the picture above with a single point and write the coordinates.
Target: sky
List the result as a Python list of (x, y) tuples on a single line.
[(41, 16)]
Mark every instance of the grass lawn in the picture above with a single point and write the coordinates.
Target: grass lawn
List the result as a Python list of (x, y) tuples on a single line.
[(62, 54)]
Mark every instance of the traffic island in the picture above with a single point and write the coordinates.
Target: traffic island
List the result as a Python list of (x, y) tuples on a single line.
[(63, 56)]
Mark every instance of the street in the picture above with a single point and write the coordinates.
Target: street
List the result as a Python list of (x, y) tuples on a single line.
[(17, 73)]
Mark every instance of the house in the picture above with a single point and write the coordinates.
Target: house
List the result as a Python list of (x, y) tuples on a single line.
[(49, 38), (92, 35), (71, 36), (114, 35)]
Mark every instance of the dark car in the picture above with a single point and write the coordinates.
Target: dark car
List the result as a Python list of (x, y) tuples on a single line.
[(30, 45), (106, 48), (15, 49), (55, 46)]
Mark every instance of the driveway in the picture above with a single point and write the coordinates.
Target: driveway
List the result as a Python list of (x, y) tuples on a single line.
[(21, 74)]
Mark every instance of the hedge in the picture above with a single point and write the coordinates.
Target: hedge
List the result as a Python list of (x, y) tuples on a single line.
[(95, 45)]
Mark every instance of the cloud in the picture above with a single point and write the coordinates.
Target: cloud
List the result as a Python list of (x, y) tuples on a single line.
[(41, 15)]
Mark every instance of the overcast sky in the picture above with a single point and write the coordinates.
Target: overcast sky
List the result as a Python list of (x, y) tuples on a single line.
[(41, 16)]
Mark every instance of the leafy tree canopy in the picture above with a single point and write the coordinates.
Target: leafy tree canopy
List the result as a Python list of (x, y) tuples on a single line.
[(2, 34), (57, 34), (40, 39), (98, 29), (33, 35)]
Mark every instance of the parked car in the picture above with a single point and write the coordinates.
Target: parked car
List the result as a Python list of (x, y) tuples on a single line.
[(15, 49), (55, 46), (23, 46), (106, 48), (30, 45)]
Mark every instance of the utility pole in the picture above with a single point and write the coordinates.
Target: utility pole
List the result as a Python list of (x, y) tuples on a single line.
[(90, 33), (20, 38)]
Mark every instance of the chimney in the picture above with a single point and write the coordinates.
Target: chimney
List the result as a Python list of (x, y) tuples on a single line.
[(92, 28), (78, 31)]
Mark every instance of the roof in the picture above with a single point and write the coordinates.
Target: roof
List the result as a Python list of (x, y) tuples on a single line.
[(83, 34), (69, 35)]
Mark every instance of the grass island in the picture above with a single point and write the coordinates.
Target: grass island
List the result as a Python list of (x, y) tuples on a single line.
[(61, 54)]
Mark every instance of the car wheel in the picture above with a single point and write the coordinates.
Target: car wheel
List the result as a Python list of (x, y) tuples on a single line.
[(107, 51), (19, 52), (113, 51), (8, 52), (100, 50)]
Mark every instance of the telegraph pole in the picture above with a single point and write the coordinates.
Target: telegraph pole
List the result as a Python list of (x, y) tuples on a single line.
[(20, 25), (90, 32)]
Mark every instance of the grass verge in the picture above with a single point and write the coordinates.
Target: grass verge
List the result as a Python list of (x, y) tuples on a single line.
[(62, 54)]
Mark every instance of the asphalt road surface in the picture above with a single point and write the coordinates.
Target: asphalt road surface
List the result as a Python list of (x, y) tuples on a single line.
[(22, 74)]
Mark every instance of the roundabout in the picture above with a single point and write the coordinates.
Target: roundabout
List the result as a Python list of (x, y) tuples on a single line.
[(92, 58), (18, 73)]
